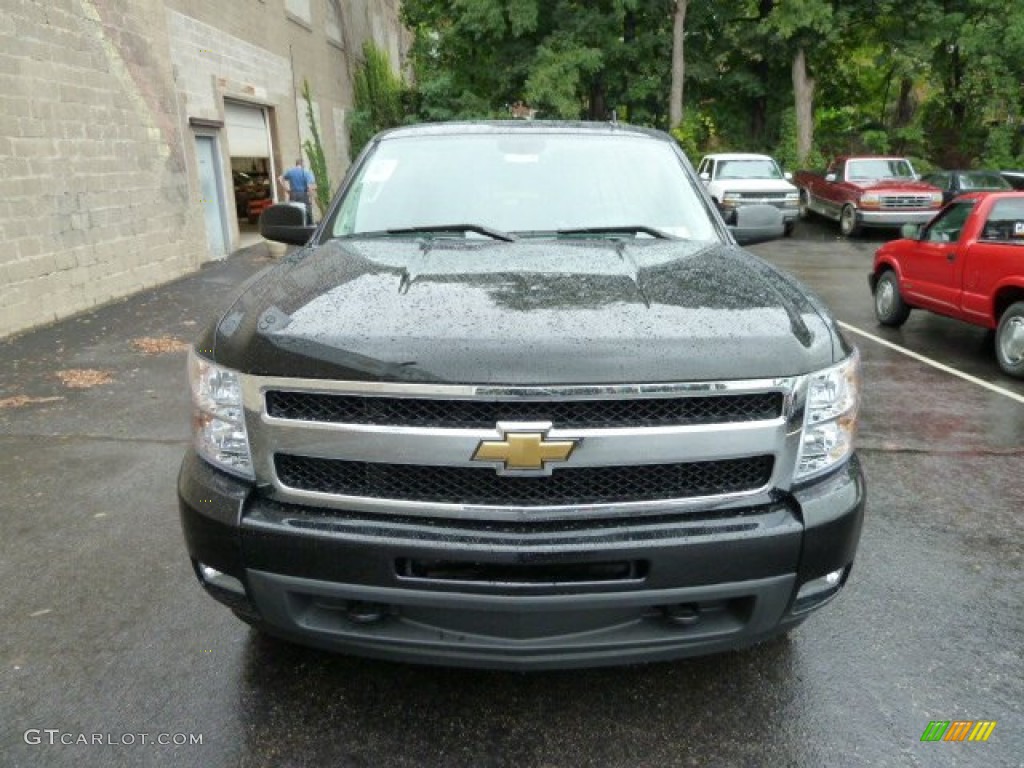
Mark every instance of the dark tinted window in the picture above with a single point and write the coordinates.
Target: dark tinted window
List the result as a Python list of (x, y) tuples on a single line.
[(1006, 222), (970, 181)]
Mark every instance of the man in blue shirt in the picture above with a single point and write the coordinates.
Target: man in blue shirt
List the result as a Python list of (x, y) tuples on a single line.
[(300, 186)]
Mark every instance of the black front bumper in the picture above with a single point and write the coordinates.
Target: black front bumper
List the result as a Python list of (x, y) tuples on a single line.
[(520, 595)]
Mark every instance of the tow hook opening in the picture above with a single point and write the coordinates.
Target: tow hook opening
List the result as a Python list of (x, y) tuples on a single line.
[(682, 614), (361, 612)]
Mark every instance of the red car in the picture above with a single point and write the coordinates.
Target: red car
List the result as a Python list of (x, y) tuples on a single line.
[(966, 263)]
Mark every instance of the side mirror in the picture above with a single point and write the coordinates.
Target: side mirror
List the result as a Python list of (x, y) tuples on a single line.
[(757, 223), (286, 223), (787, 176), (830, 177), (910, 231), (705, 177)]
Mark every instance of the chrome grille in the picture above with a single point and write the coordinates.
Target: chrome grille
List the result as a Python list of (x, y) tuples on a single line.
[(904, 202), (482, 486), (482, 414), (759, 197), (642, 449)]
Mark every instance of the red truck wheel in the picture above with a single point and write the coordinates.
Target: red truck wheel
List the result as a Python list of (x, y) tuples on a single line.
[(890, 309), (848, 226), (1010, 340)]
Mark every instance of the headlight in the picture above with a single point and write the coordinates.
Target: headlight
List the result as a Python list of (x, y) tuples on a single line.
[(936, 198), (731, 199), (218, 418), (870, 200), (830, 417)]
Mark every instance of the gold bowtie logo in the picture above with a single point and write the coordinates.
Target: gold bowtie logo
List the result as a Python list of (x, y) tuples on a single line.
[(525, 450)]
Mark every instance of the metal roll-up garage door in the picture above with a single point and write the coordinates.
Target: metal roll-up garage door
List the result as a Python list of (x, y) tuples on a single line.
[(248, 135)]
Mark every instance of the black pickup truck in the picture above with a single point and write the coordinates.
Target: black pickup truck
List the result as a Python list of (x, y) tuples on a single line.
[(521, 401)]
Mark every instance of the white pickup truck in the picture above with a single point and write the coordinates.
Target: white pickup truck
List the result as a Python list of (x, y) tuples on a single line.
[(738, 179)]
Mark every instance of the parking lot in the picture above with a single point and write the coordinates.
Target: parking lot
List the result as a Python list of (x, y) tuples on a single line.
[(107, 633)]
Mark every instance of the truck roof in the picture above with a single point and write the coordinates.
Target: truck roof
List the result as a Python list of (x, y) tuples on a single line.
[(871, 157), (523, 126), (738, 156)]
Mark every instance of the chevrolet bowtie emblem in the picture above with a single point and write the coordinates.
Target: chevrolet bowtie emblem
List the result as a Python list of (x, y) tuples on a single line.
[(524, 448)]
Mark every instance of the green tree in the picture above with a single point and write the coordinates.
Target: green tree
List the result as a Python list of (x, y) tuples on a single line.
[(566, 58), (977, 66), (378, 98), (934, 78)]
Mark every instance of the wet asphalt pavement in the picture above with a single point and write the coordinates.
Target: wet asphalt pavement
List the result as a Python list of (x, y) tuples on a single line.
[(107, 637)]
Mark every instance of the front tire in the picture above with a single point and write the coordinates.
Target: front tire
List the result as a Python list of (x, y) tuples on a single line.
[(1010, 340), (804, 207), (890, 308), (848, 225)]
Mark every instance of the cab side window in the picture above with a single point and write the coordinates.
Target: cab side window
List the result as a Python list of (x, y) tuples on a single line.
[(947, 226), (1005, 223)]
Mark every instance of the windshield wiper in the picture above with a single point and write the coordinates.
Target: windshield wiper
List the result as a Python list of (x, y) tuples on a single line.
[(497, 234), (623, 230)]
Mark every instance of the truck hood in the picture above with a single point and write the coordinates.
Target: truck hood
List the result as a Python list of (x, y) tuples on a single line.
[(895, 185), (753, 185), (533, 312)]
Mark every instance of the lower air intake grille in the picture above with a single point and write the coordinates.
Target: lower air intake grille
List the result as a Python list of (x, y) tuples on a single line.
[(483, 486)]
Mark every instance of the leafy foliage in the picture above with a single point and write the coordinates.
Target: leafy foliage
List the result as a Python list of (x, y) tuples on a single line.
[(379, 98), (315, 153), (695, 134), (935, 79)]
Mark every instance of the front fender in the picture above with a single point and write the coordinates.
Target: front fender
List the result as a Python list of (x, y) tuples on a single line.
[(881, 264)]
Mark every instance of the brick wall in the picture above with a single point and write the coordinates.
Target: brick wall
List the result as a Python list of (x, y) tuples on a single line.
[(95, 201)]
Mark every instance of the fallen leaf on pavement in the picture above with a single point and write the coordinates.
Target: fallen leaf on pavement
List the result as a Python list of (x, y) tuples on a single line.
[(19, 400), (159, 345), (83, 378)]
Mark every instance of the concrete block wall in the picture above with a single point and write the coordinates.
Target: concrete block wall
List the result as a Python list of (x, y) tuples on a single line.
[(96, 187), (261, 51), (98, 99), (209, 61)]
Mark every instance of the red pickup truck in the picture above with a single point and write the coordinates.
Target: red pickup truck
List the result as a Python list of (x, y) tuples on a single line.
[(867, 191), (968, 263)]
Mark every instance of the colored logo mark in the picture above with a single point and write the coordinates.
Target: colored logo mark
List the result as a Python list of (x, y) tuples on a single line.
[(958, 730)]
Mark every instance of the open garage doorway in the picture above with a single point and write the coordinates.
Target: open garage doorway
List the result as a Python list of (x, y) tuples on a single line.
[(253, 187), (252, 165)]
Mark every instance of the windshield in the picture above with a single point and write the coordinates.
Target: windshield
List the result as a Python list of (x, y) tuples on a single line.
[(748, 169), (526, 184), (879, 168), (983, 181)]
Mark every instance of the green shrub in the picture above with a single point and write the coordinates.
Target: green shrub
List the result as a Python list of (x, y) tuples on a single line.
[(379, 99), (696, 134), (315, 153)]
